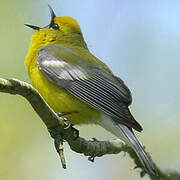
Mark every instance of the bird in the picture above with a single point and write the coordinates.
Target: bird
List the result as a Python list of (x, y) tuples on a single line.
[(71, 79)]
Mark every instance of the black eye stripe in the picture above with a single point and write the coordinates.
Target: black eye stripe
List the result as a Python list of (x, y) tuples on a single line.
[(54, 26)]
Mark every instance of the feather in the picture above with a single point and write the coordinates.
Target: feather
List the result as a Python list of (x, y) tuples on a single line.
[(92, 85)]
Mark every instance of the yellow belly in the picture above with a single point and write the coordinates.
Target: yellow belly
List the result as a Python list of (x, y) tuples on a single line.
[(62, 101)]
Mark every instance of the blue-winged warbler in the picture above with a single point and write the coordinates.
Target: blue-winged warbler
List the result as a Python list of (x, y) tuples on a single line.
[(71, 79)]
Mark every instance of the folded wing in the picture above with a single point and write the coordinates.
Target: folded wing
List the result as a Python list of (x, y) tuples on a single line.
[(91, 84)]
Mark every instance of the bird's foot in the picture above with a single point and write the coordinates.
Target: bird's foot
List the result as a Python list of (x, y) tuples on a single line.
[(66, 113), (66, 121)]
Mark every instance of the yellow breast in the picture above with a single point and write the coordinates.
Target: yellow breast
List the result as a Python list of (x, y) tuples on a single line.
[(60, 100)]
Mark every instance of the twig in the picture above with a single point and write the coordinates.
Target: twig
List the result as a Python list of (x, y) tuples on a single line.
[(58, 142), (55, 125)]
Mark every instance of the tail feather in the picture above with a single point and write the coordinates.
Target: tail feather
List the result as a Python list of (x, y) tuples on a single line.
[(126, 134), (137, 147)]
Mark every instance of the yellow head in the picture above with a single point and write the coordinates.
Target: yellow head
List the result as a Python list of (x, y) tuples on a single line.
[(67, 25), (61, 30)]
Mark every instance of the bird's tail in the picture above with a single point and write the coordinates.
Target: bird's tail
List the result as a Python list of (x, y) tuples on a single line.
[(137, 147), (126, 134)]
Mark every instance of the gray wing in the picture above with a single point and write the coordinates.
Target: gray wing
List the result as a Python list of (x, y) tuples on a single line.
[(92, 85)]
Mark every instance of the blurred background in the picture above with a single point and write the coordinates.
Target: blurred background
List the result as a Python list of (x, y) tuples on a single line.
[(139, 40)]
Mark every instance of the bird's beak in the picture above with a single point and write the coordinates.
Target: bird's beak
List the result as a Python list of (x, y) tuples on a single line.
[(52, 16), (51, 22), (33, 27)]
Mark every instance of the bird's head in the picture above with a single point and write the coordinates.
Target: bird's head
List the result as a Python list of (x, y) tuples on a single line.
[(60, 30)]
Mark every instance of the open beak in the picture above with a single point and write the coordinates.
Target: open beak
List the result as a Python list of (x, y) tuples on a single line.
[(51, 22), (33, 27)]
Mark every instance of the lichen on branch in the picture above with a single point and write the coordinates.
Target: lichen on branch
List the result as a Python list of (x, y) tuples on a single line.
[(56, 126)]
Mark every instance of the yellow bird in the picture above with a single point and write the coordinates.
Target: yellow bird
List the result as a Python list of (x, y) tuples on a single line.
[(71, 79)]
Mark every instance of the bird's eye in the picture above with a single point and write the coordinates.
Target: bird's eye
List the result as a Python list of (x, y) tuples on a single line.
[(55, 26)]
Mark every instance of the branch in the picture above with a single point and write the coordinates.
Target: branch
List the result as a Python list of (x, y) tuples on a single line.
[(57, 127)]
